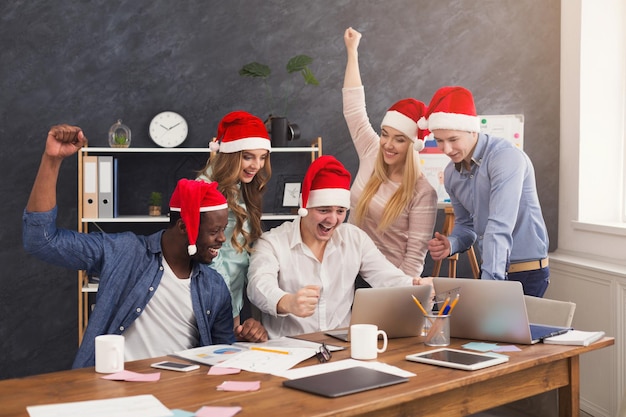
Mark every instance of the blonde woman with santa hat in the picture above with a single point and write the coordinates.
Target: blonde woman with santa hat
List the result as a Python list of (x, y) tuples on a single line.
[(390, 198), (241, 167)]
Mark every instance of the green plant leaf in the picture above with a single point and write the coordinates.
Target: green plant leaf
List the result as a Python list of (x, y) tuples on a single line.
[(155, 199), (309, 78), (298, 63), (254, 69)]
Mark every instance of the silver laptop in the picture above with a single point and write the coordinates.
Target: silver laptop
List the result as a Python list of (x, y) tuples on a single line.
[(392, 309), (492, 310)]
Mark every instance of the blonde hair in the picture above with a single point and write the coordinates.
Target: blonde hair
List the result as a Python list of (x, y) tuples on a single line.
[(399, 200), (224, 168)]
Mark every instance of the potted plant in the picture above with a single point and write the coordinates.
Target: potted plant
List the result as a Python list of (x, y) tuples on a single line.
[(282, 130), (119, 135), (154, 203)]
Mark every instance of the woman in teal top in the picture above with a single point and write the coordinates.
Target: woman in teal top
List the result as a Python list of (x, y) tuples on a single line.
[(241, 167)]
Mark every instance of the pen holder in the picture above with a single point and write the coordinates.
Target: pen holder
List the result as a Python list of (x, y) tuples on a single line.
[(438, 333)]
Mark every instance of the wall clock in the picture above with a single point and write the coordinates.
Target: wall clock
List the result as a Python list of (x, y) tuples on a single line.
[(168, 129)]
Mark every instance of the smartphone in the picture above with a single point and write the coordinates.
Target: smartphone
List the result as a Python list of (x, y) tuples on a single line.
[(175, 366)]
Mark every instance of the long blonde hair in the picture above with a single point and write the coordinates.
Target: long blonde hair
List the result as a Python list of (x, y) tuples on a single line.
[(399, 200), (224, 168)]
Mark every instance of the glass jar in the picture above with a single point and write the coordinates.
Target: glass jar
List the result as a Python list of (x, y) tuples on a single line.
[(119, 135)]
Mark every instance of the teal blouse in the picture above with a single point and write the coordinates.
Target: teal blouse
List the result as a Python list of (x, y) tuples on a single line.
[(232, 265)]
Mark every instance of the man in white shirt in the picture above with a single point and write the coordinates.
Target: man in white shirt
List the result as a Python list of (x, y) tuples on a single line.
[(302, 273)]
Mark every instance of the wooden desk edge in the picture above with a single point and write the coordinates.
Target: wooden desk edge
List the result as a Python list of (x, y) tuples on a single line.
[(75, 385)]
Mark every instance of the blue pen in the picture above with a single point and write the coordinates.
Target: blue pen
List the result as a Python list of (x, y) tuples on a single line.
[(446, 310)]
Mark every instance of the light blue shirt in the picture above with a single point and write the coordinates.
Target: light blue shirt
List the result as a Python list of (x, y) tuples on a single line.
[(496, 207)]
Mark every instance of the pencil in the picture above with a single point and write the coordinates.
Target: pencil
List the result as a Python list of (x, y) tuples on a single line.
[(262, 349), (443, 307), (453, 303), (422, 308), (419, 305)]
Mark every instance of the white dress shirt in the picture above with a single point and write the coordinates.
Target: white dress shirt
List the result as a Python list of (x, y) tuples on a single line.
[(281, 263)]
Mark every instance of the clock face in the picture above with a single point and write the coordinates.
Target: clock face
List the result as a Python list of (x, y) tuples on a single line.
[(168, 129)]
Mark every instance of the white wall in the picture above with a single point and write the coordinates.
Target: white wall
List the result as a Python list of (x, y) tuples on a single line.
[(589, 266)]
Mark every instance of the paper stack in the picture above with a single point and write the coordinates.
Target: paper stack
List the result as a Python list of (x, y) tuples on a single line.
[(575, 337)]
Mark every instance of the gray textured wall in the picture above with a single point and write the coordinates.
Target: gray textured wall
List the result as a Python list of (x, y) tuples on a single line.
[(92, 62)]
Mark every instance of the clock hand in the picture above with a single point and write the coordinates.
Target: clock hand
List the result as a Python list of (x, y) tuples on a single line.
[(174, 126), (163, 126)]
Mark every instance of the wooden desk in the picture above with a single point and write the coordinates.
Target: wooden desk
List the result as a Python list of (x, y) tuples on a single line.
[(435, 391)]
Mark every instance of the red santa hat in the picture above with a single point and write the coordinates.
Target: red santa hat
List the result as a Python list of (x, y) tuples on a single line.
[(326, 183), (239, 131), (191, 198), (404, 116), (451, 108)]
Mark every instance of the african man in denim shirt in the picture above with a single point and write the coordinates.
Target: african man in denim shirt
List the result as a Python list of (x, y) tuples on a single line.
[(158, 291)]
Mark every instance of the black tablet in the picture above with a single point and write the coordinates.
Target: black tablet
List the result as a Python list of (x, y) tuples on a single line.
[(344, 381), (459, 359)]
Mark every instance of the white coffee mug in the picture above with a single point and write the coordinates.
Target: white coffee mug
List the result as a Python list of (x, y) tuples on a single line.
[(364, 341), (109, 353)]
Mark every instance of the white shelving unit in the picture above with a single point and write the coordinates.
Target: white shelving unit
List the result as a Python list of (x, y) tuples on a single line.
[(84, 286)]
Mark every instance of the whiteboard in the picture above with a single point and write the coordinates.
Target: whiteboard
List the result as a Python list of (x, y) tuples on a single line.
[(433, 161), (506, 126)]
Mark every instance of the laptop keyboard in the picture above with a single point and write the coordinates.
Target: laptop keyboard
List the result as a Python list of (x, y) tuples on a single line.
[(539, 332)]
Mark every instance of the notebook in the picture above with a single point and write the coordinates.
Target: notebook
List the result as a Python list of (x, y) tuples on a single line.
[(492, 310), (392, 309), (345, 381), (575, 337)]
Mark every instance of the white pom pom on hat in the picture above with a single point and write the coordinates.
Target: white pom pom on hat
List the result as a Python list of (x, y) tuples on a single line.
[(214, 145)]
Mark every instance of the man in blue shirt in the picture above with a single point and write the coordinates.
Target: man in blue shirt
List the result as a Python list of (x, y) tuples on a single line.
[(158, 291), (492, 189)]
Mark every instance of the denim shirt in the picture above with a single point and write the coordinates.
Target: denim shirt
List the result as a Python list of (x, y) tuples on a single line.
[(130, 270), (496, 206)]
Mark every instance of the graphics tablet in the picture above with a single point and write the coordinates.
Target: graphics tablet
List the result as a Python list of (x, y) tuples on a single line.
[(459, 359), (345, 381)]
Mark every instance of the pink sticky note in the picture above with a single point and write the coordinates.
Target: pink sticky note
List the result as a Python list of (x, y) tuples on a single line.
[(118, 376), (239, 386), (207, 411), (216, 370), (133, 376), (154, 376)]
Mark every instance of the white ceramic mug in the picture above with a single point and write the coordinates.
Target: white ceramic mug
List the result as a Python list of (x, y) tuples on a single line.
[(109, 353), (364, 341)]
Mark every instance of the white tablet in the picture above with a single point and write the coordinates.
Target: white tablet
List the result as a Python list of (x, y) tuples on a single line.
[(458, 359)]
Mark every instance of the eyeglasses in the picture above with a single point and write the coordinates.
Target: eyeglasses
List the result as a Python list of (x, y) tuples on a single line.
[(323, 355)]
